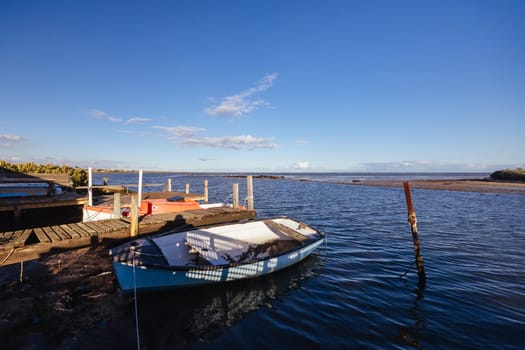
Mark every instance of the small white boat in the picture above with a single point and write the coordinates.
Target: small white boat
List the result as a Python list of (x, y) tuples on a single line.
[(214, 254)]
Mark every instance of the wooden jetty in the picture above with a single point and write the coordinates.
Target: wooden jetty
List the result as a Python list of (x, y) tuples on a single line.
[(32, 243), (14, 207), (28, 244)]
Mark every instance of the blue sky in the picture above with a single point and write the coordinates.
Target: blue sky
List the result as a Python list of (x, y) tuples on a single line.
[(264, 86)]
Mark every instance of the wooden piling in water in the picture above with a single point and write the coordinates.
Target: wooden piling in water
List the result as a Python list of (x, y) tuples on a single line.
[(249, 189), (413, 225), (205, 191), (235, 196)]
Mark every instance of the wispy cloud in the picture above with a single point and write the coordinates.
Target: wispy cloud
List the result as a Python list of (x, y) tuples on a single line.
[(180, 131), (138, 120), (105, 116), (232, 142), (9, 140), (243, 103), (189, 136), (96, 113)]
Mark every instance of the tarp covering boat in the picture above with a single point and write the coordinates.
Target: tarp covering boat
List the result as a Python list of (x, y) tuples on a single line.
[(214, 254)]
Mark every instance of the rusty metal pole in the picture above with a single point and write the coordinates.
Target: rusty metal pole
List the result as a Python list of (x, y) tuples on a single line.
[(413, 224)]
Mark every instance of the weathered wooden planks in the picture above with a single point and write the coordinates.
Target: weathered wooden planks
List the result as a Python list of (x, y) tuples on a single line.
[(22, 245), (53, 236), (41, 235)]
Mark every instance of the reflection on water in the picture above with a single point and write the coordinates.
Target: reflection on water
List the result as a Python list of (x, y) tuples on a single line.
[(353, 297), (172, 318)]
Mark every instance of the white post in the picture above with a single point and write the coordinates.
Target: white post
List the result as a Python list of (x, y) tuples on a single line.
[(90, 186), (187, 188), (140, 187), (249, 189), (205, 191), (169, 184), (236, 196)]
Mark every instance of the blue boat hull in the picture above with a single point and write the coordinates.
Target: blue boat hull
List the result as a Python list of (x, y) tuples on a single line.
[(148, 278)]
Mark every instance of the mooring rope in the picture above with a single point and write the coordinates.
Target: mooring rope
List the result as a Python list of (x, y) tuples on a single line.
[(408, 270), (8, 256), (135, 297)]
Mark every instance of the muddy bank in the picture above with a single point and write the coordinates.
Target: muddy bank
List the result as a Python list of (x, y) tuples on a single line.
[(465, 185), (65, 301)]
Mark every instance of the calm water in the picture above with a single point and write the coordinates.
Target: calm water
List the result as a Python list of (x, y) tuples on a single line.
[(349, 294)]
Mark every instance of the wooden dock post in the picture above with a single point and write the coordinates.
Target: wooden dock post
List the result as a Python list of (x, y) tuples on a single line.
[(235, 196), (169, 184), (249, 190), (417, 249), (187, 188), (134, 227), (116, 206), (205, 191)]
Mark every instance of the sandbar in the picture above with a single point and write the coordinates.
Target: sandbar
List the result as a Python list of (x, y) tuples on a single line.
[(464, 185)]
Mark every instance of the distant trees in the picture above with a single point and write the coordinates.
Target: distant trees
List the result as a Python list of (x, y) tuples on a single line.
[(509, 174), (78, 176)]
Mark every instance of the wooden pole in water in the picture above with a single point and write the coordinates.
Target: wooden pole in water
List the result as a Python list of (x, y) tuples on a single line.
[(205, 191), (169, 184), (187, 188), (235, 196), (413, 224), (134, 226), (249, 185)]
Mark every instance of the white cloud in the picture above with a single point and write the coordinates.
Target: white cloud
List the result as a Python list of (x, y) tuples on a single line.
[(7, 140), (103, 115), (138, 120), (301, 165), (188, 136), (181, 131), (242, 103), (232, 142)]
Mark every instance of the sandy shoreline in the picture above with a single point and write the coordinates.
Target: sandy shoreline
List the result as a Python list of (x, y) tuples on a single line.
[(464, 185), (67, 300)]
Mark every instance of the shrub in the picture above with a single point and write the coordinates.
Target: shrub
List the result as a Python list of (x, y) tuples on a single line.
[(509, 174), (79, 176)]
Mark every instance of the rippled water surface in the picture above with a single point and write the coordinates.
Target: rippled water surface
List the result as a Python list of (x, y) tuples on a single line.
[(350, 293)]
